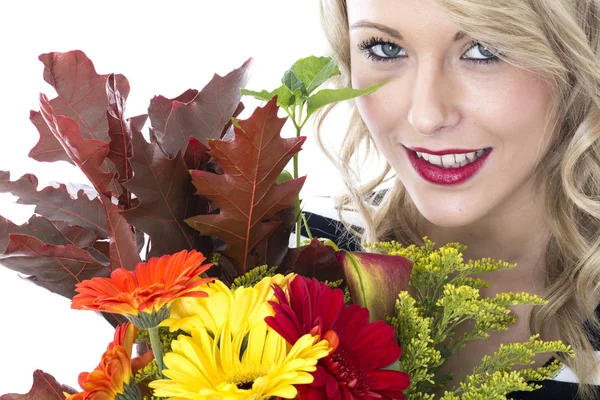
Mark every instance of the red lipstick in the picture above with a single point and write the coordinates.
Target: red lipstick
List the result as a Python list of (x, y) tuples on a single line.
[(445, 176)]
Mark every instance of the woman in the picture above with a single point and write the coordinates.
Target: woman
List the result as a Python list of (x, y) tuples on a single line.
[(489, 126)]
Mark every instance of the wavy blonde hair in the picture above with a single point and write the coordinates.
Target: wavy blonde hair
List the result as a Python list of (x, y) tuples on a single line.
[(560, 41)]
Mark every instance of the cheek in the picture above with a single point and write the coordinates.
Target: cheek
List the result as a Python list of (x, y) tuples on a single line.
[(516, 115), (385, 111)]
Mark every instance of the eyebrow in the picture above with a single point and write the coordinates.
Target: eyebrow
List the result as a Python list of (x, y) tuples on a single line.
[(363, 23)]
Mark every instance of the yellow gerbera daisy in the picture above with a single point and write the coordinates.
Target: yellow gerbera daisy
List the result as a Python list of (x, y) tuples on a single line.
[(252, 363), (223, 304)]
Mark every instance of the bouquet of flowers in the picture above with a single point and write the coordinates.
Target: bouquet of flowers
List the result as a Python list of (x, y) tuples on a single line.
[(219, 306)]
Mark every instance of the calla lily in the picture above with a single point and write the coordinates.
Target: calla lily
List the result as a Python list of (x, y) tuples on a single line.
[(374, 280)]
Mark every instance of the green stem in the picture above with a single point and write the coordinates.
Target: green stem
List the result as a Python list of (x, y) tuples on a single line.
[(307, 228), (156, 348), (297, 201), (297, 205)]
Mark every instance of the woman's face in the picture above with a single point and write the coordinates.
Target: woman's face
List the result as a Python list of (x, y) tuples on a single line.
[(463, 130)]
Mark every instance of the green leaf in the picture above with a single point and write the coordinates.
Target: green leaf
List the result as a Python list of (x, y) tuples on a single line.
[(328, 96), (262, 95), (285, 97), (284, 177), (314, 71), (293, 83)]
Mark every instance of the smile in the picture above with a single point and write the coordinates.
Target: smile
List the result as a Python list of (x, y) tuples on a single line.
[(452, 160), (448, 167)]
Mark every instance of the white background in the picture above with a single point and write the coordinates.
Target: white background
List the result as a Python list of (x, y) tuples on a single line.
[(162, 47)]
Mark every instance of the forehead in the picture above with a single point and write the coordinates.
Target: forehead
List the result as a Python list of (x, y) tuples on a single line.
[(410, 18)]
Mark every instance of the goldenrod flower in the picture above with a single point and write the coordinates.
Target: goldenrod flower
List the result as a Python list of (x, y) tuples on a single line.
[(253, 363)]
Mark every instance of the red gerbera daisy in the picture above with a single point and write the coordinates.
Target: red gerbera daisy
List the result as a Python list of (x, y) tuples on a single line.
[(354, 370)]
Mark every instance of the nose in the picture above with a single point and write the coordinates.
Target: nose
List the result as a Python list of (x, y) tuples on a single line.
[(434, 107)]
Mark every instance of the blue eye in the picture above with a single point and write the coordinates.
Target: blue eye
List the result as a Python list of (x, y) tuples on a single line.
[(489, 55), (386, 50), (380, 50)]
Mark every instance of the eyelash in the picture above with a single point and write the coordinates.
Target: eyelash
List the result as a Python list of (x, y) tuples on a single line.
[(366, 46)]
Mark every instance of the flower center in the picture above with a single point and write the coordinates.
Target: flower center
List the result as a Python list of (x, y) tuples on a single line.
[(245, 380), (345, 367), (245, 385)]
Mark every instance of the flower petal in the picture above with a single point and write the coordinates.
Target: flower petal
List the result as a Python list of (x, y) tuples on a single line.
[(374, 280)]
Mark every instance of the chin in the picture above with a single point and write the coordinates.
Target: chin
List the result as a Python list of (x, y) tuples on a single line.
[(448, 215)]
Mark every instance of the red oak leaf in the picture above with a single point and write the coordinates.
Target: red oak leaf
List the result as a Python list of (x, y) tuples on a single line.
[(56, 203), (55, 267), (44, 387), (202, 115), (81, 96), (123, 248), (196, 154), (38, 227), (47, 149), (77, 235), (247, 193), (163, 187), (160, 109), (119, 131), (138, 121), (88, 154)]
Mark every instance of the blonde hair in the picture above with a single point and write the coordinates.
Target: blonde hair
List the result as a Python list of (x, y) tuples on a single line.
[(560, 41)]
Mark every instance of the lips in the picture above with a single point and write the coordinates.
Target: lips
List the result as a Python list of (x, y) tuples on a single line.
[(439, 175)]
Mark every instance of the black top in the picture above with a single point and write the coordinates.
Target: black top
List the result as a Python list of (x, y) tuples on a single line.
[(328, 228)]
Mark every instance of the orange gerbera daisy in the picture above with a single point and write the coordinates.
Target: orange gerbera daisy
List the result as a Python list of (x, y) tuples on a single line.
[(112, 378), (145, 295)]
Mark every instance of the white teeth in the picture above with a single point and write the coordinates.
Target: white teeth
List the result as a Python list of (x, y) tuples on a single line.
[(424, 156), (451, 160), (437, 160), (448, 160)]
